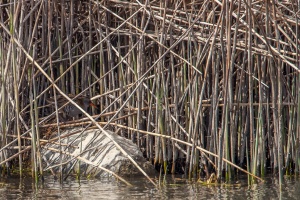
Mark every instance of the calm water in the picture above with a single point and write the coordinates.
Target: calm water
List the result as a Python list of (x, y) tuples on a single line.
[(174, 188)]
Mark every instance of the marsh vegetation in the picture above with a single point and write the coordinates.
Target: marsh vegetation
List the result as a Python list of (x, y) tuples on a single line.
[(200, 86)]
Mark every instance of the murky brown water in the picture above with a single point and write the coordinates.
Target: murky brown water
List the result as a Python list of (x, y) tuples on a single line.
[(174, 188)]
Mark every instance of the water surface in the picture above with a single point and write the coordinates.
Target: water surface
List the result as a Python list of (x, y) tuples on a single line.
[(172, 188)]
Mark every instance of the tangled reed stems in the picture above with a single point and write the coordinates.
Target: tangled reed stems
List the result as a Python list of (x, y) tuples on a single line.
[(192, 83)]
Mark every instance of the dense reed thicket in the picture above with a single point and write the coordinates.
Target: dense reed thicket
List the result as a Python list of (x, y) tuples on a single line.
[(199, 86)]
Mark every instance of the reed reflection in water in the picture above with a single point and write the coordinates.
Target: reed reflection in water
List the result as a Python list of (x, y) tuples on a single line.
[(173, 188)]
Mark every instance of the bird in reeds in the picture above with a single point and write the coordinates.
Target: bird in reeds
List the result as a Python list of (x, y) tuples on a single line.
[(70, 110)]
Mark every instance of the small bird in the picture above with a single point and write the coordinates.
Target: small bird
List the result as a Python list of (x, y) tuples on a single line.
[(71, 110)]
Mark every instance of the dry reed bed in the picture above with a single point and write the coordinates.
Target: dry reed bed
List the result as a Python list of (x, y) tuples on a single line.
[(193, 83)]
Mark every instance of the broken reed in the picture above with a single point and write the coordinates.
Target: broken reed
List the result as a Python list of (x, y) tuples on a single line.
[(216, 76)]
